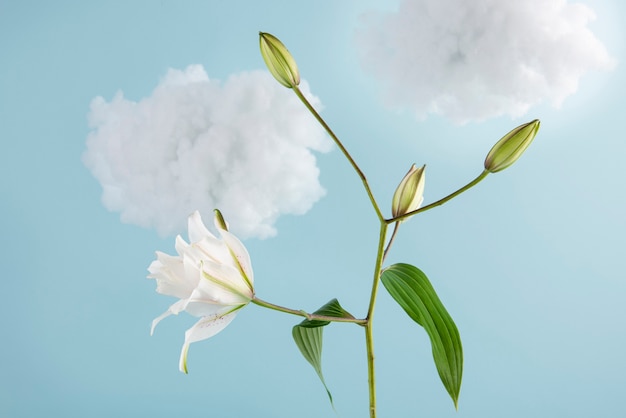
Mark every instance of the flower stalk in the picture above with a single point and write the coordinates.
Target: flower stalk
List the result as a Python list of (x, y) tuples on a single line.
[(441, 201), (343, 149), (310, 317)]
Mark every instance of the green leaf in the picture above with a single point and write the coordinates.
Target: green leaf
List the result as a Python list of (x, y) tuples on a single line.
[(309, 341), (410, 287), (308, 337), (332, 308)]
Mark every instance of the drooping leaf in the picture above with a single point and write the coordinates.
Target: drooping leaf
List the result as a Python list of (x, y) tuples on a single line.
[(309, 341), (410, 287), (308, 337)]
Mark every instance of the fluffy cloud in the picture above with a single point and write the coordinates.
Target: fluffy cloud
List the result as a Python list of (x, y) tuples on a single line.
[(479, 59), (243, 146)]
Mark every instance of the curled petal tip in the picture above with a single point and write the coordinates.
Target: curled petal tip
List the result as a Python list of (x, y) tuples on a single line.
[(182, 364)]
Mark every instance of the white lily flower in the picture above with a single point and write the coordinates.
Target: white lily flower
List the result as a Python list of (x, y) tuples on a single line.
[(212, 278)]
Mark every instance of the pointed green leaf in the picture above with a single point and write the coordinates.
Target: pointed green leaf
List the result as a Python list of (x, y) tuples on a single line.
[(309, 341), (332, 308), (308, 337), (410, 287)]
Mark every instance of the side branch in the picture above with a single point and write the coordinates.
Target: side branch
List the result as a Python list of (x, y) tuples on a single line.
[(306, 315), (343, 150)]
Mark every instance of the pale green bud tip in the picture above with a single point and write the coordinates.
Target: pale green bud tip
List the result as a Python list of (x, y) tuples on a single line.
[(410, 192), (511, 147), (220, 220), (279, 61)]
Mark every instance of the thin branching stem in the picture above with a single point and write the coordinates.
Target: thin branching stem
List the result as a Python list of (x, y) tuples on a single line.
[(343, 150), (393, 236), (442, 200)]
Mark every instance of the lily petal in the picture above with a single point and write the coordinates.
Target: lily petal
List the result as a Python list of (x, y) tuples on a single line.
[(181, 245), (206, 301), (227, 282), (174, 309), (209, 249), (197, 230), (240, 255), (169, 273), (203, 329)]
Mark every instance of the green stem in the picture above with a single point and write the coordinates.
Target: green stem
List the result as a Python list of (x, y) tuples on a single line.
[(441, 201), (343, 149), (369, 336), (393, 236), (371, 373), (306, 315)]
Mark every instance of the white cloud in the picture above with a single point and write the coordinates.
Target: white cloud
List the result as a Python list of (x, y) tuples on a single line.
[(479, 59), (243, 146)]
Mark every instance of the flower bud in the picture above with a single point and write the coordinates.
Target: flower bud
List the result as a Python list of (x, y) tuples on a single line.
[(410, 192), (279, 61), (511, 147), (219, 220)]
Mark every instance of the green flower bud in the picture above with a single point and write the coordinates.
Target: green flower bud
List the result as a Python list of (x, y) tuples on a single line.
[(219, 220), (279, 61), (410, 192), (511, 147)]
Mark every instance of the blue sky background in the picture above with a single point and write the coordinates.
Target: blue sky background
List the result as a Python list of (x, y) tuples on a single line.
[(530, 263)]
